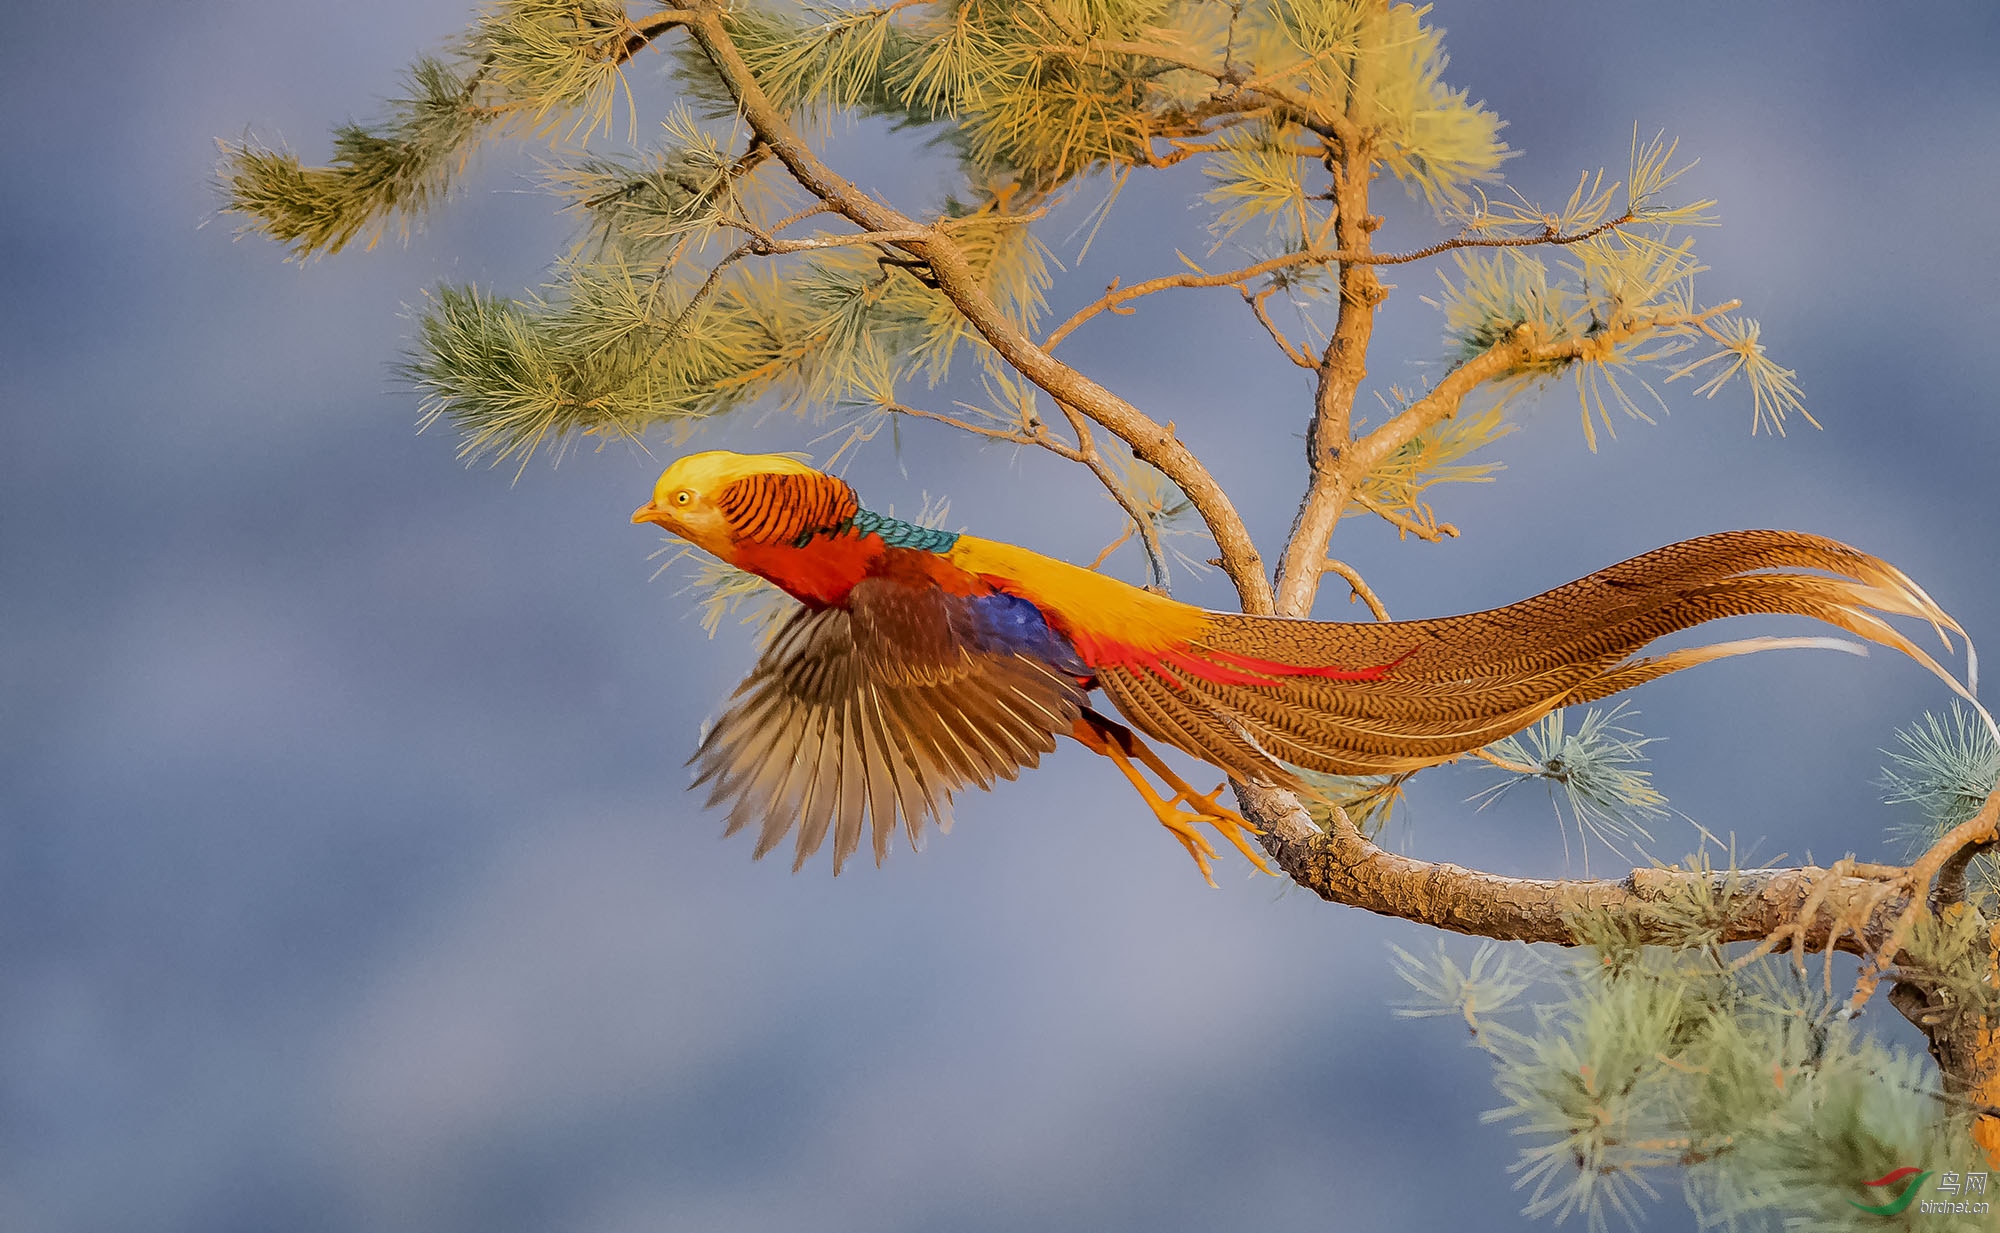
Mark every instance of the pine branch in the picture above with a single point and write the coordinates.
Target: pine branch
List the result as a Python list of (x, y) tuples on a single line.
[(1155, 443), (526, 63), (1341, 866), (395, 170), (1522, 350), (1344, 361)]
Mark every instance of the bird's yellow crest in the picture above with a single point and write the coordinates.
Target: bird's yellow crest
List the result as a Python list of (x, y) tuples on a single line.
[(709, 472), (686, 500)]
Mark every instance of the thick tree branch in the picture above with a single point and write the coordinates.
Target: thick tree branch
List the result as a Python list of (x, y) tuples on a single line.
[(1344, 363), (1341, 866)]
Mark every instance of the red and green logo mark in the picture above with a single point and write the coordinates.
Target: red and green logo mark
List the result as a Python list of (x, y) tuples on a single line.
[(1902, 1200)]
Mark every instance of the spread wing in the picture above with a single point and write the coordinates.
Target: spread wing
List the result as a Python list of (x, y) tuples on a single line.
[(884, 707)]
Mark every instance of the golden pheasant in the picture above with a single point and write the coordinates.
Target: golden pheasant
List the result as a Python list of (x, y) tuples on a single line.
[(923, 661)]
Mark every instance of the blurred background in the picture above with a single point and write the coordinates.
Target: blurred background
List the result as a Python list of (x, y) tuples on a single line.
[(348, 878)]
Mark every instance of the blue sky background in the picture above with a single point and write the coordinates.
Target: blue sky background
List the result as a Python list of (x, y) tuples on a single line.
[(349, 881)]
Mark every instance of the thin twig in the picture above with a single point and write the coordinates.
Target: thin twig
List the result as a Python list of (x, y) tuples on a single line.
[(1036, 433), (1432, 532), (1015, 436), (1547, 235), (1114, 545), (1512, 768), (678, 326), (771, 247), (1142, 518), (1356, 588), (1256, 303), (1115, 296), (797, 217)]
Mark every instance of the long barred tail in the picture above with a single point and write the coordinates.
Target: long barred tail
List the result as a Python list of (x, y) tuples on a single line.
[(1459, 683)]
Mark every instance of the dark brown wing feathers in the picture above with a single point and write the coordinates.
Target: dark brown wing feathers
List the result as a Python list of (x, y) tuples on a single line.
[(879, 710)]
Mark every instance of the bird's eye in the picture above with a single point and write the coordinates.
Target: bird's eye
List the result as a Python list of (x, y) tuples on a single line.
[(683, 496)]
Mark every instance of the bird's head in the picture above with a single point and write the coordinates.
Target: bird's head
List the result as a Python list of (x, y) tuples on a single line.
[(703, 498)]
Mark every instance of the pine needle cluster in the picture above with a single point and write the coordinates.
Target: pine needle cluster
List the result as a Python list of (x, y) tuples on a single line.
[(391, 171), (1623, 289), (1940, 772), (1440, 454), (1596, 770), (1630, 1071)]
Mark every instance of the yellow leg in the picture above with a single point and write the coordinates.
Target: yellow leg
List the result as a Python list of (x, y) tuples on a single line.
[(1226, 821), (1120, 745)]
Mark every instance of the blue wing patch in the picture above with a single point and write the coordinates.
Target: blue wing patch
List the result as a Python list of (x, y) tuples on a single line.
[(1003, 623)]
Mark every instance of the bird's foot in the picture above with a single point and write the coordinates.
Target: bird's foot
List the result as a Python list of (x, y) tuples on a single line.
[(1207, 808), (1188, 808), (1180, 826), (1185, 809)]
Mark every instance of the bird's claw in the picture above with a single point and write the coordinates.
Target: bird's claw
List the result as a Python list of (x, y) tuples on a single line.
[(1205, 808), (1185, 809)]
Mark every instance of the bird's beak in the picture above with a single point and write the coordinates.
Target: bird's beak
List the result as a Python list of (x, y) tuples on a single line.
[(649, 513)]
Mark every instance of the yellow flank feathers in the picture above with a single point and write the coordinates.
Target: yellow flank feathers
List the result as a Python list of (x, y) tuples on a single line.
[(1095, 607)]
